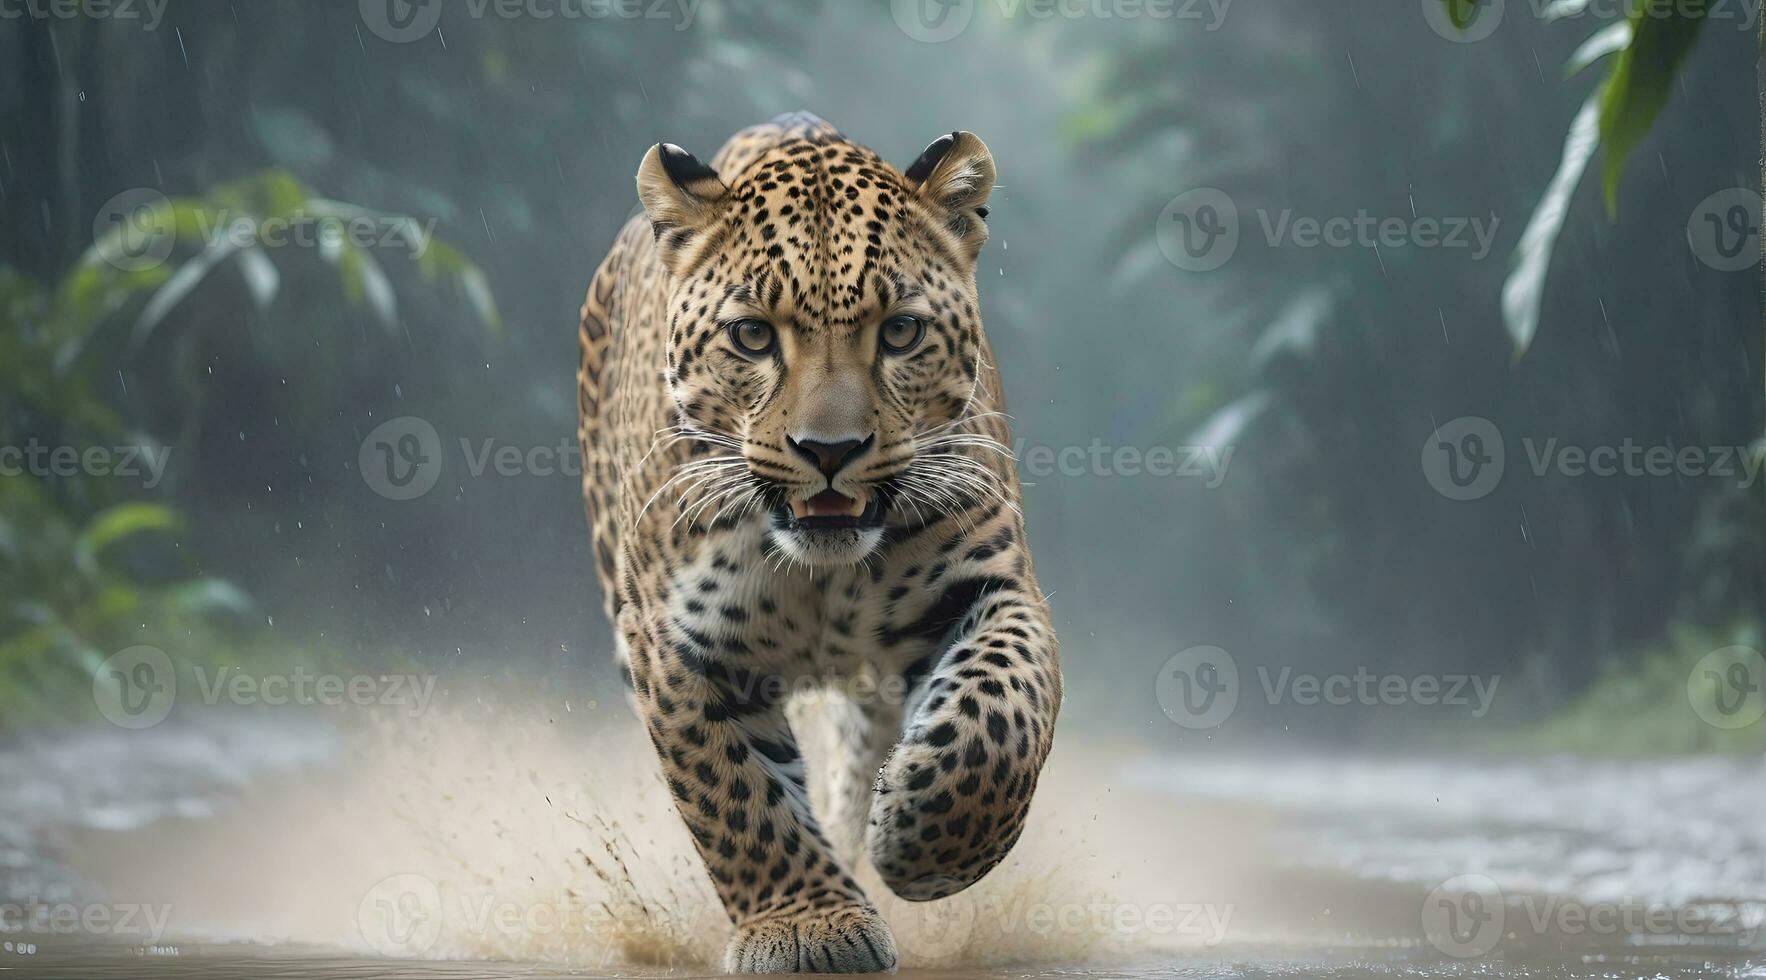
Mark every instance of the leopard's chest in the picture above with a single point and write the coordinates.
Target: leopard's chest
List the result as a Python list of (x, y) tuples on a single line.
[(736, 601)]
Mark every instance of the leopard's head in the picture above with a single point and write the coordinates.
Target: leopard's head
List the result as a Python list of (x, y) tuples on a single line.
[(823, 326)]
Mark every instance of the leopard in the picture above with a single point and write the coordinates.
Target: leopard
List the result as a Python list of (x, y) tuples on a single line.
[(799, 484)]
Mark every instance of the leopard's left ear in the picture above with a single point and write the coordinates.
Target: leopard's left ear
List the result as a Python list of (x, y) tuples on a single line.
[(956, 175)]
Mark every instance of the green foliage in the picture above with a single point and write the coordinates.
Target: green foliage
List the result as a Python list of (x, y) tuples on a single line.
[(1651, 44), (1523, 293), (89, 566), (84, 570), (1460, 12), (1326, 369), (1661, 36), (77, 590), (236, 225), (1649, 694)]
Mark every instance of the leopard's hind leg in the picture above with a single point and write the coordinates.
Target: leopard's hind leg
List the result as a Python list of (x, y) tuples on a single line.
[(847, 737)]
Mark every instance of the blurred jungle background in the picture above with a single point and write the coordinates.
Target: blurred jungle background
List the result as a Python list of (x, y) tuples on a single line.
[(1316, 322), (495, 157)]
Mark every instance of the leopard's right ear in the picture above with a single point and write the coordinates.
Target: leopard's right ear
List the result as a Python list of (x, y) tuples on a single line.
[(682, 197)]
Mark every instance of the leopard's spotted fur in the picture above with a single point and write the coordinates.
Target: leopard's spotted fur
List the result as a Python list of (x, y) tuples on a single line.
[(931, 625)]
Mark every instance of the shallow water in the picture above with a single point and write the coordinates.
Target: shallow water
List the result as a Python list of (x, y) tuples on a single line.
[(295, 964), (488, 842)]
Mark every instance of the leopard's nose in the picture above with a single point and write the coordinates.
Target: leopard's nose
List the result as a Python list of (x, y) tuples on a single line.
[(829, 457)]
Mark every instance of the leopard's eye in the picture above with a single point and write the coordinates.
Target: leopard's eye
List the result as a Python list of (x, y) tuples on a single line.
[(752, 337), (901, 334)]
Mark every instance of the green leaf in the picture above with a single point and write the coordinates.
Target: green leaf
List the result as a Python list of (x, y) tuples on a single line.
[(118, 523), (1524, 290), (1662, 34), (209, 595), (1461, 12), (272, 193), (1610, 39), (181, 283)]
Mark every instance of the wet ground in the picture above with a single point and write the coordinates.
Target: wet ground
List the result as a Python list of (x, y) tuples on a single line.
[(538, 844), (231, 962)]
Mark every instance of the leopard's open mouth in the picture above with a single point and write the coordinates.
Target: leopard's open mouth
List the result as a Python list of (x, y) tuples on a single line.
[(831, 511)]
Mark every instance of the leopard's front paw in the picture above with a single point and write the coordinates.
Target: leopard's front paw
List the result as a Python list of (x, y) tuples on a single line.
[(846, 939)]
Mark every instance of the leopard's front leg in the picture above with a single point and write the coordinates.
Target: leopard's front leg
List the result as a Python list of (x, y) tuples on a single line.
[(953, 797), (734, 769)]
